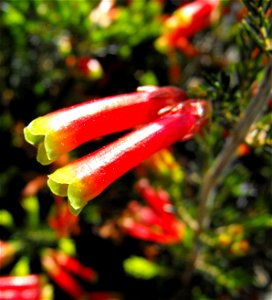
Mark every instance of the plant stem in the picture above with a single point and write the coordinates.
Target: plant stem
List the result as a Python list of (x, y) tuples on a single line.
[(222, 162), (224, 159)]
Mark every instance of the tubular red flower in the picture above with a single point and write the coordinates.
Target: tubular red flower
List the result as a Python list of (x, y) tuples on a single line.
[(186, 21), (192, 17), (74, 266), (147, 233), (143, 214), (158, 200), (62, 131), (20, 287), (85, 178), (61, 277)]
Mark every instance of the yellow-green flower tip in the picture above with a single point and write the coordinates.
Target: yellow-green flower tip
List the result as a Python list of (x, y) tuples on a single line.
[(35, 134), (76, 196), (59, 180), (57, 188), (41, 134), (64, 182), (43, 155), (35, 131), (30, 137)]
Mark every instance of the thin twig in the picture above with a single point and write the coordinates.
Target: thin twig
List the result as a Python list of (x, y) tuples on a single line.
[(224, 159), (215, 173)]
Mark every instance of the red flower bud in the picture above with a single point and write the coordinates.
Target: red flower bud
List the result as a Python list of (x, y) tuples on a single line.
[(90, 67), (146, 233), (242, 150)]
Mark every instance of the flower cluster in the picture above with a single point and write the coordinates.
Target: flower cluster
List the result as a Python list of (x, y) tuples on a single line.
[(156, 222), (166, 114), (59, 266)]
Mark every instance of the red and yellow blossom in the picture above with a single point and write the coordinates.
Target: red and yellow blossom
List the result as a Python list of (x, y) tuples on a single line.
[(62, 131), (186, 21), (85, 178)]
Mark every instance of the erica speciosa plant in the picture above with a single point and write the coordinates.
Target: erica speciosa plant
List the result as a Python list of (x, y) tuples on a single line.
[(163, 116)]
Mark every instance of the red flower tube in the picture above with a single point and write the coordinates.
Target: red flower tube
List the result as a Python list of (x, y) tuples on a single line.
[(62, 131), (62, 278), (158, 200), (186, 21), (146, 232), (74, 266), (143, 213), (20, 287), (85, 178), (191, 18)]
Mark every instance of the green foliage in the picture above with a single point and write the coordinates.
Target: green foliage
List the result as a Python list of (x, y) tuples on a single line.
[(141, 268), (6, 219), (257, 22), (134, 25)]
